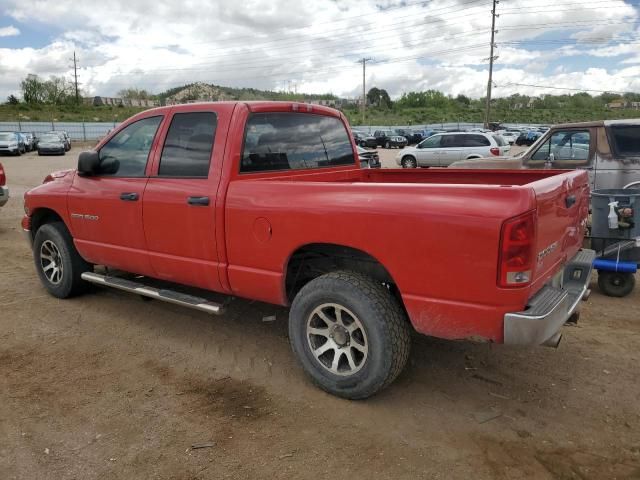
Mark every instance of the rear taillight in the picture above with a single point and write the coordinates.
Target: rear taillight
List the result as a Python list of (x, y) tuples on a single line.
[(517, 244), (495, 151), (3, 177)]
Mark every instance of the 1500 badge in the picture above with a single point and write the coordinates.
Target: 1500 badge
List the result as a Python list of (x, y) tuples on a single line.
[(85, 217), (547, 251)]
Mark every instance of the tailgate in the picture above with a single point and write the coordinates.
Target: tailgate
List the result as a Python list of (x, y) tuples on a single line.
[(562, 210)]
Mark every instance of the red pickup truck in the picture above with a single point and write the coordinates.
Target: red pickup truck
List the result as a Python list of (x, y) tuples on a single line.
[(267, 201)]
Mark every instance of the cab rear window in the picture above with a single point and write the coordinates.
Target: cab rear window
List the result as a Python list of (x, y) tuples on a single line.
[(626, 140), (292, 141)]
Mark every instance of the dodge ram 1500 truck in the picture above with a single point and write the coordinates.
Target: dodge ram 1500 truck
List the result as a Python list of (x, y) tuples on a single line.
[(267, 201)]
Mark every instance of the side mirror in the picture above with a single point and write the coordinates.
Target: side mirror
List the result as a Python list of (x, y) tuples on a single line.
[(88, 163)]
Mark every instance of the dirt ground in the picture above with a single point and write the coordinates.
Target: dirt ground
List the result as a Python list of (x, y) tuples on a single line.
[(107, 386)]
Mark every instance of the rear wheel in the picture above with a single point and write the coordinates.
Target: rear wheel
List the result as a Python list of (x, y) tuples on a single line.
[(616, 284), (349, 333), (409, 162), (58, 263)]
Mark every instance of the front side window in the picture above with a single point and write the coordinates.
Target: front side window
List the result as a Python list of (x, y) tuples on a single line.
[(126, 154), (563, 148), (293, 141), (431, 142), (188, 146)]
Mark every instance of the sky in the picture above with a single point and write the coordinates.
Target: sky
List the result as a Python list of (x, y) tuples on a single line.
[(314, 46)]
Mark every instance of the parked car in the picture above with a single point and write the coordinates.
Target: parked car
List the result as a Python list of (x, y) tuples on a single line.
[(608, 150), (4, 190), (510, 136), (51, 144), (389, 139), (413, 136), (368, 158), (11, 143), (64, 137), (528, 138), (442, 149), (364, 139), (29, 141), (266, 201)]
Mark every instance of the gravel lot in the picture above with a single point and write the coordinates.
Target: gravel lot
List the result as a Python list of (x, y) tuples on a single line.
[(108, 386)]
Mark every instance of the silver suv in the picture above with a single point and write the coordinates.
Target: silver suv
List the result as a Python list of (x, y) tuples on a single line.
[(442, 149)]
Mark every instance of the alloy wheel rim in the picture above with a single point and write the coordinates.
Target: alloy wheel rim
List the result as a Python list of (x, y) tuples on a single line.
[(337, 339), (51, 262)]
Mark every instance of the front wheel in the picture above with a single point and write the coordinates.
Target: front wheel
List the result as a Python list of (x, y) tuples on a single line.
[(58, 263), (349, 333), (616, 284), (409, 162)]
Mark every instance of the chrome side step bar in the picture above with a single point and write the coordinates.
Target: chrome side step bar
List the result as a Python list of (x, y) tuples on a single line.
[(164, 295)]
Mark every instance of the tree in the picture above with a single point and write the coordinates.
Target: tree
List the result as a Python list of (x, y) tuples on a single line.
[(134, 93), (33, 89), (463, 100), (12, 100), (58, 90)]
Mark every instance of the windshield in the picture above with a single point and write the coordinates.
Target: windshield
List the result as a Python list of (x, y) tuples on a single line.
[(7, 136)]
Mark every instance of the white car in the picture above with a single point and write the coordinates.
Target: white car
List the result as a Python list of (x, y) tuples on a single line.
[(442, 149), (510, 136)]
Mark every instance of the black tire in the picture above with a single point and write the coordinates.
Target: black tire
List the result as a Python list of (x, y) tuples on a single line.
[(385, 330), (616, 284), (73, 265), (409, 161)]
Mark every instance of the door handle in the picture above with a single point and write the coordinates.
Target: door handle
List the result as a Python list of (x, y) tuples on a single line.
[(129, 197), (198, 201)]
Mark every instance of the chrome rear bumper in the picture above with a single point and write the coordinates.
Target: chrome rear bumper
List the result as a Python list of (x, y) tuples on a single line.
[(552, 306)]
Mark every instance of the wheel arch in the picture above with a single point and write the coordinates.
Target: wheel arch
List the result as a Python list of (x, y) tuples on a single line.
[(312, 260), (42, 216)]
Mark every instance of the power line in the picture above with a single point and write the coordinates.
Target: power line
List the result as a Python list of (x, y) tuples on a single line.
[(561, 88)]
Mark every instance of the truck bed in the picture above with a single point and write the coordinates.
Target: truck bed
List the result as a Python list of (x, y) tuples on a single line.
[(433, 176)]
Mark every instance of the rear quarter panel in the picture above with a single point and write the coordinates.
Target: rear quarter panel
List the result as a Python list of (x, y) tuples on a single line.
[(438, 242)]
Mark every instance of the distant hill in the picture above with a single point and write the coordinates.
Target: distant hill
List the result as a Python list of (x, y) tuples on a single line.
[(209, 92)]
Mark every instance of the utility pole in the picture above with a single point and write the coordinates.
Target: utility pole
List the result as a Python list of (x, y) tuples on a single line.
[(75, 76), (487, 116), (364, 89)]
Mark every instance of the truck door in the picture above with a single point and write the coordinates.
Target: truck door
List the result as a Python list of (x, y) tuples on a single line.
[(179, 201), (106, 208)]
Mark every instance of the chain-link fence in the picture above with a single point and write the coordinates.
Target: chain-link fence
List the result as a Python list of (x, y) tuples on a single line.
[(78, 131)]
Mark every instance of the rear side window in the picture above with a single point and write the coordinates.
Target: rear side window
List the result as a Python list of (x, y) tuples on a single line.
[(293, 141), (499, 140), (626, 140), (475, 141), (188, 146), (452, 141)]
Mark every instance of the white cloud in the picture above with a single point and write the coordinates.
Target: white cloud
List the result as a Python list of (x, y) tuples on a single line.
[(9, 31), (315, 44)]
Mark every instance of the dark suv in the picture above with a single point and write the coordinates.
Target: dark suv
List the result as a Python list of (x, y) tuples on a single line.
[(389, 139)]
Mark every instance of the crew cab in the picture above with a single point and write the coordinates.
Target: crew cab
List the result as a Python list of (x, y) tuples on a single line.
[(608, 150), (267, 201)]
